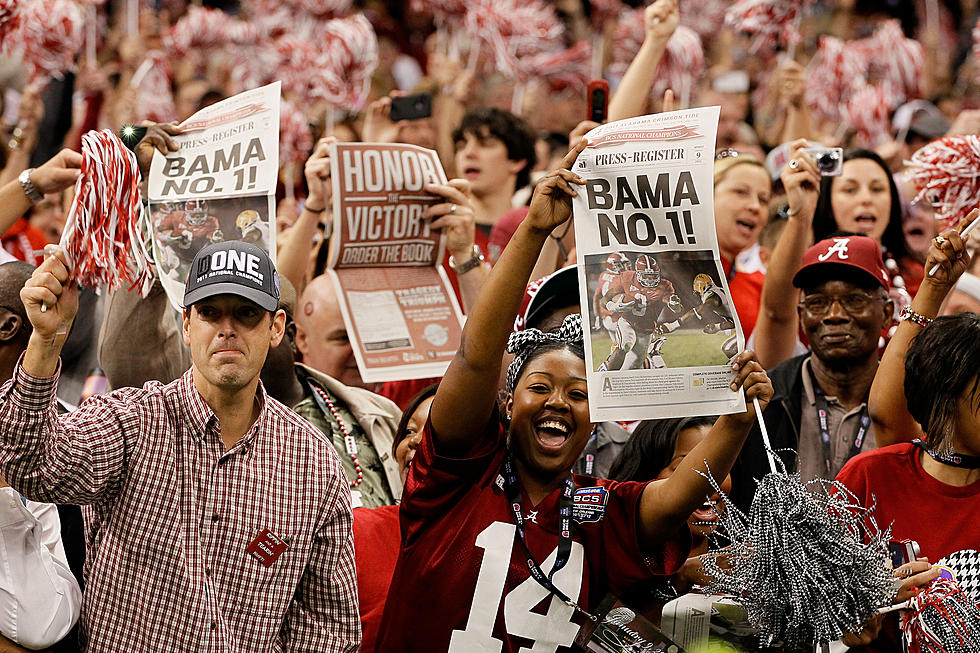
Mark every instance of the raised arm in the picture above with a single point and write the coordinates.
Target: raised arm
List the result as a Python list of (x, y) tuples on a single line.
[(777, 324), (665, 504), (295, 243), (465, 399), (630, 99), (455, 217), (56, 174), (886, 403)]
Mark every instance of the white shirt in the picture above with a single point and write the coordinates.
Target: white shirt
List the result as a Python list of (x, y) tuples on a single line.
[(39, 597)]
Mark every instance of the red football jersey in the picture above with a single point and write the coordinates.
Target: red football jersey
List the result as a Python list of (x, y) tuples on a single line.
[(197, 236), (652, 298), (462, 584)]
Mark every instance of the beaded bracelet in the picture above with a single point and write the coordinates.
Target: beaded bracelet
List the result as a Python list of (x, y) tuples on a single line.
[(916, 318)]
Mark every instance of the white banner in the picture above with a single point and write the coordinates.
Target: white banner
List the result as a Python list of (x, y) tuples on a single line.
[(651, 282), (220, 185)]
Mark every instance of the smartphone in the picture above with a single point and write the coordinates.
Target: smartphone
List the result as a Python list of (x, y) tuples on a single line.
[(411, 107), (130, 135), (598, 99), (903, 551)]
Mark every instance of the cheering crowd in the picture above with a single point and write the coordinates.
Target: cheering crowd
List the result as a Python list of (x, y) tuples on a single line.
[(222, 479)]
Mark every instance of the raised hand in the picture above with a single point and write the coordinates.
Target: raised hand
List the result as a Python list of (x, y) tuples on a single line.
[(801, 179), (57, 173), (159, 136), (551, 204), (751, 377), (50, 300), (317, 172)]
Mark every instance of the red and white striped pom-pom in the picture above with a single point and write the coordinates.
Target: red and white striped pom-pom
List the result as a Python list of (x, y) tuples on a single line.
[(681, 67), (565, 70), (295, 137), (348, 55), (835, 73), (706, 17), (894, 60), (102, 236), (443, 12), (50, 36), (204, 28), (9, 23), (298, 66), (627, 40), (604, 11), (867, 113), (941, 618), (511, 29), (257, 66), (154, 91), (947, 174), (768, 22)]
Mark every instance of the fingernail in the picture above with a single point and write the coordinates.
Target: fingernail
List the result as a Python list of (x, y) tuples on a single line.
[(734, 386)]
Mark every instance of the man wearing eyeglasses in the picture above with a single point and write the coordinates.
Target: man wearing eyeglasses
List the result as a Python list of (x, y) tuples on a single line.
[(818, 418)]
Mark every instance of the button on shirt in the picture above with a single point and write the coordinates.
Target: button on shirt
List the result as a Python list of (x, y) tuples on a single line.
[(174, 511), (843, 426)]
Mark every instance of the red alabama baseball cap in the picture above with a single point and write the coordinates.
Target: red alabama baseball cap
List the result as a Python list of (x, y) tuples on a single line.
[(860, 254)]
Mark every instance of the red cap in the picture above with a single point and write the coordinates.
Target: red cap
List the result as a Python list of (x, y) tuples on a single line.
[(858, 252)]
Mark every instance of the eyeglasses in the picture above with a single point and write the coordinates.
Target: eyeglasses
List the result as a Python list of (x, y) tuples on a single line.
[(853, 303)]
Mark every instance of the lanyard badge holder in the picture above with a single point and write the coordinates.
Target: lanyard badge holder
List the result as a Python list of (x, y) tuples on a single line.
[(564, 535)]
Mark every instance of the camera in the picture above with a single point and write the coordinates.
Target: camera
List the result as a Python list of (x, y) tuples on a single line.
[(829, 160), (903, 551), (597, 96)]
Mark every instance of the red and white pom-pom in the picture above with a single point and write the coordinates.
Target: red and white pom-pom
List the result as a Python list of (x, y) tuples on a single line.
[(941, 618), (50, 36), (867, 113), (511, 29), (569, 69), (679, 69), (102, 237), (706, 17), (947, 174), (9, 22), (835, 73), (893, 60), (204, 28), (295, 137), (768, 22), (154, 91), (347, 57)]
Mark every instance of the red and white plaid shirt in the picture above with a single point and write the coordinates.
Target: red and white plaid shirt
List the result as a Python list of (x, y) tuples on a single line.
[(172, 512)]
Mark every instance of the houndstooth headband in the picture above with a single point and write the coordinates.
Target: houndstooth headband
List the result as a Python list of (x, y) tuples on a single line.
[(522, 343)]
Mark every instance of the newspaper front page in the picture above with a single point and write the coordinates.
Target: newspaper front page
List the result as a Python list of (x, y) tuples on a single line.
[(651, 284), (219, 185), (401, 314)]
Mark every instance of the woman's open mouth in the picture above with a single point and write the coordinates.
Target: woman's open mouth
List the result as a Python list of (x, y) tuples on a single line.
[(552, 433)]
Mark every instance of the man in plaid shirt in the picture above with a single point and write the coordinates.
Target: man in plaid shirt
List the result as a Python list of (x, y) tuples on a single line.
[(217, 519)]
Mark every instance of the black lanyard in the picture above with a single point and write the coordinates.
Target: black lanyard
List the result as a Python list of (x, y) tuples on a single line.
[(513, 490), (823, 422), (961, 460)]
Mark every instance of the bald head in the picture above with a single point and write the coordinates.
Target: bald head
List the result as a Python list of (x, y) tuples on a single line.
[(15, 328), (13, 276), (321, 335)]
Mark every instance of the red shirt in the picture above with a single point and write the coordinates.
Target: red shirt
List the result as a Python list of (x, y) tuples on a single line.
[(652, 297), (377, 537), (22, 239), (746, 293), (940, 517), (465, 570)]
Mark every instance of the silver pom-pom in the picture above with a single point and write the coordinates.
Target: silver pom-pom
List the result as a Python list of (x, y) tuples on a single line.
[(808, 563)]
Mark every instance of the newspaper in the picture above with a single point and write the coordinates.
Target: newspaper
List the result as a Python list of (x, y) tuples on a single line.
[(716, 622), (651, 283), (401, 313), (219, 185)]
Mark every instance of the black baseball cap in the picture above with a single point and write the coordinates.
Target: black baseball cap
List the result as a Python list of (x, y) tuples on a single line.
[(233, 267)]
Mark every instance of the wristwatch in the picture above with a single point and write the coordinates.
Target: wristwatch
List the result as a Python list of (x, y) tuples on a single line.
[(33, 194), (475, 260)]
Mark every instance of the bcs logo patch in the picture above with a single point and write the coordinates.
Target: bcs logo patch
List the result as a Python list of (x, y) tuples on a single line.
[(589, 504)]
